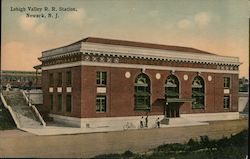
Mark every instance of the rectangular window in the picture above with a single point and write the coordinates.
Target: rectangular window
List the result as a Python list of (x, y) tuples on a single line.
[(59, 101), (59, 79), (101, 104), (51, 79), (69, 103), (226, 102), (68, 78), (51, 102), (226, 82), (101, 78)]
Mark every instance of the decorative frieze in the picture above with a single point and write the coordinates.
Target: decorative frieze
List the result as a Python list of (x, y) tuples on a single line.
[(109, 60), (87, 58), (227, 67), (116, 60), (94, 59), (103, 58)]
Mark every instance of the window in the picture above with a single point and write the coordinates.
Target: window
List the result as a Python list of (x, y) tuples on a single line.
[(59, 100), (101, 78), (51, 102), (51, 79), (69, 103), (142, 92), (68, 78), (59, 79), (226, 82), (226, 102), (172, 87), (198, 92), (101, 104)]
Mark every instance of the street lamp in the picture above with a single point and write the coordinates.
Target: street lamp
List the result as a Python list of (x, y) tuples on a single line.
[(30, 84), (166, 104)]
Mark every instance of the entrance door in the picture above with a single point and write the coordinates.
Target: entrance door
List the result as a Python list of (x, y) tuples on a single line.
[(172, 110)]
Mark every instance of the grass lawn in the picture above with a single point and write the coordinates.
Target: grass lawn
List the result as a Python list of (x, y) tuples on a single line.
[(6, 121), (234, 147)]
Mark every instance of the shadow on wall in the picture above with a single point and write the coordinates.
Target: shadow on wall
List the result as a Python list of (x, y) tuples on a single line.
[(159, 102), (246, 109)]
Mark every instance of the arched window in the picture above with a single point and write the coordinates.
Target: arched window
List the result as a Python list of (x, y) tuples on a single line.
[(172, 87), (142, 92), (198, 92)]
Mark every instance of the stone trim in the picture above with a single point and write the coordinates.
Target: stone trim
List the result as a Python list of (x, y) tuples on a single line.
[(211, 116), (120, 65)]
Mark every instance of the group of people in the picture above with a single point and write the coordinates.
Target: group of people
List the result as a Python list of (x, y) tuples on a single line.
[(144, 123)]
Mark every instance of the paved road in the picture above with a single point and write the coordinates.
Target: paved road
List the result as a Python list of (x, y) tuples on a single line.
[(15, 143)]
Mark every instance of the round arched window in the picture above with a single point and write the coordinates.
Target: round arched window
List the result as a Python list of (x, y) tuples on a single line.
[(142, 92), (172, 87), (198, 92)]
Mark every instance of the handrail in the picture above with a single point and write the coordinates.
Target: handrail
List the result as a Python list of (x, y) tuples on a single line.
[(13, 114), (34, 108)]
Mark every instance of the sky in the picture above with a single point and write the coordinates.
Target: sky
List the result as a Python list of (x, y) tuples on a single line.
[(220, 27)]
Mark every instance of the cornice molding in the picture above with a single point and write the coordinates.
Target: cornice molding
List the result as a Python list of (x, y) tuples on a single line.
[(121, 65), (138, 52)]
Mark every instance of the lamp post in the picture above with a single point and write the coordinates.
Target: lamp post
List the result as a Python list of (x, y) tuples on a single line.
[(165, 107), (30, 84)]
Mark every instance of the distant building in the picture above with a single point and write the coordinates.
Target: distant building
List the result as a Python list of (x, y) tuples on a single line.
[(97, 80), (21, 79), (243, 85)]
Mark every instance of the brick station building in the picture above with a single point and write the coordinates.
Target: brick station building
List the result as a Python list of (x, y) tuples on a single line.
[(95, 81)]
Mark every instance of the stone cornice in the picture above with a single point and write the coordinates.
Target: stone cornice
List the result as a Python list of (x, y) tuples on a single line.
[(62, 50), (122, 65), (146, 53), (138, 52)]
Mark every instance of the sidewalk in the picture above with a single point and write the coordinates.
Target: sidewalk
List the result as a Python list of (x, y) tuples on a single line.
[(16, 143), (59, 129)]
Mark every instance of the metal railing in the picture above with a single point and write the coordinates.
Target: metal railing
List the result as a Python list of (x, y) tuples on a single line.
[(34, 108)]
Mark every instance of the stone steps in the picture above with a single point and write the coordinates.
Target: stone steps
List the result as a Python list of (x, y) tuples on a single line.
[(25, 114), (177, 121)]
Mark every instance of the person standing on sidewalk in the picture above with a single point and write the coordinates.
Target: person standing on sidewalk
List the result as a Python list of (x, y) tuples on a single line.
[(146, 121), (158, 122), (141, 122)]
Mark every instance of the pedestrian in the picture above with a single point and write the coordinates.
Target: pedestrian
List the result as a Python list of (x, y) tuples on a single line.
[(146, 121), (141, 122), (158, 122)]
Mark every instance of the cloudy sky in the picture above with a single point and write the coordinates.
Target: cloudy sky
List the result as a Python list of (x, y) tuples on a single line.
[(216, 26)]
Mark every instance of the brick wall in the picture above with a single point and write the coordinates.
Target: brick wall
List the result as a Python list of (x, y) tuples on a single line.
[(76, 91), (120, 92)]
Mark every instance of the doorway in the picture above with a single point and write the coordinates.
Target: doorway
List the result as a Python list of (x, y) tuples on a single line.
[(172, 110)]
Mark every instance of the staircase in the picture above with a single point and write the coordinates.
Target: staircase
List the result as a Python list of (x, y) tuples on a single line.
[(25, 114)]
